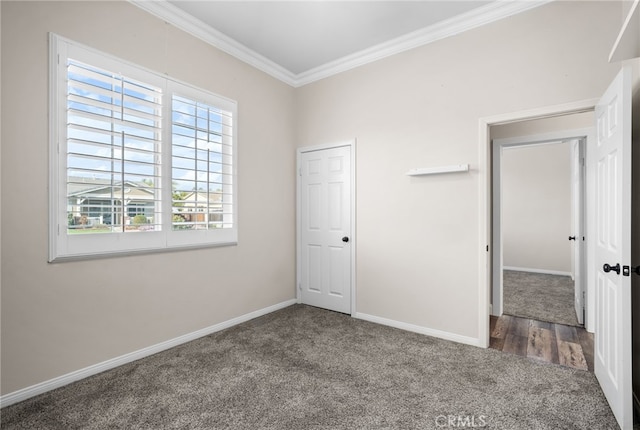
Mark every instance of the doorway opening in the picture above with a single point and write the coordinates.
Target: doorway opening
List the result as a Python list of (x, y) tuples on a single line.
[(538, 224), (486, 230)]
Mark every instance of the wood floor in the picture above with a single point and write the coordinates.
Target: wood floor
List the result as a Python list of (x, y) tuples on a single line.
[(554, 343)]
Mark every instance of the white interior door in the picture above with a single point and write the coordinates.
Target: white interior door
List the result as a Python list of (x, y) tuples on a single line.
[(613, 247), (577, 226), (325, 228)]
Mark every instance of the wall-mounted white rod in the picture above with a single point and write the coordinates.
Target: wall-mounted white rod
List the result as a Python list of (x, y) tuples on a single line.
[(436, 170)]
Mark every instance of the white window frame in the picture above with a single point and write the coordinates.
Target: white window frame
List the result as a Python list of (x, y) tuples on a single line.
[(63, 246)]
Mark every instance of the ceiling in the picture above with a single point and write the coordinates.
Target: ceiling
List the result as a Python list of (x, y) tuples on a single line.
[(302, 41)]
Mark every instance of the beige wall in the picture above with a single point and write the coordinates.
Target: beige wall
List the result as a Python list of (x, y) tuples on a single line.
[(418, 237), (58, 318), (536, 207)]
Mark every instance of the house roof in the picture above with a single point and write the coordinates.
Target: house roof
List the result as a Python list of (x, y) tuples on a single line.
[(102, 189)]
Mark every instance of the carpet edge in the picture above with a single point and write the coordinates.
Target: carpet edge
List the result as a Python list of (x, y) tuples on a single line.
[(473, 341), (60, 381)]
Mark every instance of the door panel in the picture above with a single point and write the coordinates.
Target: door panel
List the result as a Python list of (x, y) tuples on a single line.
[(335, 206), (325, 219), (613, 246), (313, 211), (314, 267), (336, 271)]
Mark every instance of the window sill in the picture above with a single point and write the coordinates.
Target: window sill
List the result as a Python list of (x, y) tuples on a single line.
[(140, 252)]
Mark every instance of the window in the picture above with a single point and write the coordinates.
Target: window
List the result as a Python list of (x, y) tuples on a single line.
[(139, 162)]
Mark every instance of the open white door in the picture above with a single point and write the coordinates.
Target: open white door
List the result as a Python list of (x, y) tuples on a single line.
[(325, 239), (577, 225), (612, 168)]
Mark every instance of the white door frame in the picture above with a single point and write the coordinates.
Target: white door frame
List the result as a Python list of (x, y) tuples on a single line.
[(352, 237), (579, 227), (484, 191), (583, 134)]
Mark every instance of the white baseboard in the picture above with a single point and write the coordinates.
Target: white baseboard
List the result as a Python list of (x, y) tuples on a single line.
[(43, 387), (419, 329), (543, 271)]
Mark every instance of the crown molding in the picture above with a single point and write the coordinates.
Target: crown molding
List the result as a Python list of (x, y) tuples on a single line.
[(483, 15), (475, 18), (627, 44)]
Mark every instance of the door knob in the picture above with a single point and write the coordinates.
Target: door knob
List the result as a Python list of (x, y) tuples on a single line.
[(607, 268), (345, 239), (572, 238)]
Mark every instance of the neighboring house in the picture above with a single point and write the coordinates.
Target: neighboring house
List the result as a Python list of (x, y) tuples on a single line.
[(97, 201), (197, 207)]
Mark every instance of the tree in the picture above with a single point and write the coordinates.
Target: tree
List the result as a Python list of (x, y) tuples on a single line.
[(177, 195), (140, 219)]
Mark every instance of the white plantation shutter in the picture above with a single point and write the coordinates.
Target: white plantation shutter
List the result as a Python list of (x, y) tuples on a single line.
[(202, 165), (139, 162), (113, 151)]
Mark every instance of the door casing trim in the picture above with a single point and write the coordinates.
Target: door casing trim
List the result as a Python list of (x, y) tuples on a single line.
[(484, 192)]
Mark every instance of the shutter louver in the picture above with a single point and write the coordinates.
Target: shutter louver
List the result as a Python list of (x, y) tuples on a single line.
[(113, 152)]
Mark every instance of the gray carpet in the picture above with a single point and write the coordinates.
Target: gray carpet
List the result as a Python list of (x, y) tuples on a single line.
[(305, 368), (539, 296)]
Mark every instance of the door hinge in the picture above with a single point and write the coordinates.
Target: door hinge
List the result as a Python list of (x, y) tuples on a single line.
[(300, 286), (300, 171), (487, 248)]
